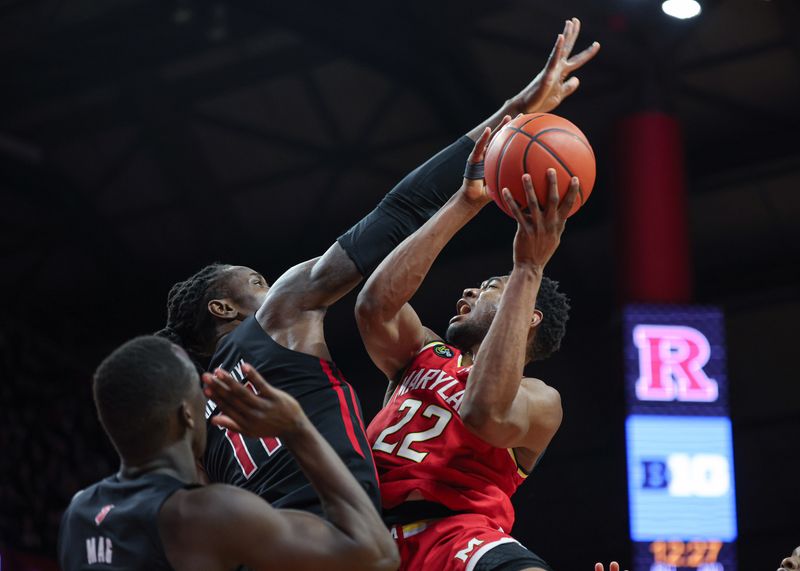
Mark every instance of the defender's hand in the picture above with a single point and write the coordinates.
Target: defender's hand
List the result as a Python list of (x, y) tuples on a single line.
[(256, 410), (554, 84), (539, 231), (474, 189)]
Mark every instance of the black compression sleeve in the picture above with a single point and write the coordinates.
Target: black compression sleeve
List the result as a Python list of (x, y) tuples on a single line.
[(413, 201)]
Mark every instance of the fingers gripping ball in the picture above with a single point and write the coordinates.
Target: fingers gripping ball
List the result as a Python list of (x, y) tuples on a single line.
[(532, 144)]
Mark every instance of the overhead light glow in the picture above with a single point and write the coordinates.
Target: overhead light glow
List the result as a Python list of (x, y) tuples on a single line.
[(681, 9)]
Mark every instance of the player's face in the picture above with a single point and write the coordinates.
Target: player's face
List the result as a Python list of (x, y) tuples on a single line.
[(475, 312), (248, 289), (791, 563)]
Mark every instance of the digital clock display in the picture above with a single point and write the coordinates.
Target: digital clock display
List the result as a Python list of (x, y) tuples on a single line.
[(679, 446)]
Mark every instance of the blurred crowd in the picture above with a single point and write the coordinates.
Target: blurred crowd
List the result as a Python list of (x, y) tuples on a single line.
[(52, 446)]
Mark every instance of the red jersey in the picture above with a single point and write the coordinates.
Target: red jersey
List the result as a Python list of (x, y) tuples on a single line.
[(421, 445)]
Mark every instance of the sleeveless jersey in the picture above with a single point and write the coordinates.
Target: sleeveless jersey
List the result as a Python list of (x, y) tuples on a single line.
[(113, 524), (422, 446), (264, 466)]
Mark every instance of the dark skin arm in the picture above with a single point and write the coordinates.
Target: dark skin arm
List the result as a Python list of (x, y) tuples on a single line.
[(295, 307), (221, 527), (390, 328), (499, 405)]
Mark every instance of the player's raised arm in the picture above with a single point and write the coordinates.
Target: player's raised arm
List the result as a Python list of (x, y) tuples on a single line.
[(353, 538), (499, 405), (300, 293), (390, 328)]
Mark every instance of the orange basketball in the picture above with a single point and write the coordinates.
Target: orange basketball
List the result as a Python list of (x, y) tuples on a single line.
[(532, 144)]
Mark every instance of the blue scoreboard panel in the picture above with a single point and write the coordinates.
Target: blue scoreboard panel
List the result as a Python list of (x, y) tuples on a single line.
[(680, 453)]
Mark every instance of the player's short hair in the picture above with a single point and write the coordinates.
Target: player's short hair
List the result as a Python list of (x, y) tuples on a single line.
[(136, 388), (189, 324), (554, 306)]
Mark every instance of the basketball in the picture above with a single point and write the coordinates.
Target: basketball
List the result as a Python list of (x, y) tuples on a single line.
[(532, 144)]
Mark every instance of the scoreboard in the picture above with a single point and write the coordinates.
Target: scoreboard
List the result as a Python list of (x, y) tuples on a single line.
[(681, 491)]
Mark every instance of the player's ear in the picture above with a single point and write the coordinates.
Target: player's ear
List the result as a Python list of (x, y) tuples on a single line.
[(186, 416), (223, 309), (536, 319)]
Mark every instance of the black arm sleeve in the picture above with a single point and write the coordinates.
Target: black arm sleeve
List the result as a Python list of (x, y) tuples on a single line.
[(413, 201)]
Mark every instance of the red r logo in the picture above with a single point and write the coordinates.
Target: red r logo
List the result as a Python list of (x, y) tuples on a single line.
[(671, 361)]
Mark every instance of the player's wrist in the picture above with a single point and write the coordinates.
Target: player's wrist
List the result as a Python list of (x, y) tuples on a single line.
[(299, 431), (529, 268), (520, 104), (473, 200)]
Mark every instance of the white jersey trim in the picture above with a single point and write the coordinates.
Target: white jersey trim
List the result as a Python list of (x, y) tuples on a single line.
[(473, 561)]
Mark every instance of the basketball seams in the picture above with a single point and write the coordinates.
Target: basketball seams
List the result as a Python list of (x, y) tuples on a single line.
[(521, 152), (503, 153), (560, 130), (553, 154)]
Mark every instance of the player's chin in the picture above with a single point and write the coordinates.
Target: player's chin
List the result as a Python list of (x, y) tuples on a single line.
[(452, 333), (459, 333)]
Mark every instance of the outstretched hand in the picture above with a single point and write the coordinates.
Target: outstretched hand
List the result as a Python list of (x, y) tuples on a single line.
[(613, 566), (539, 230), (554, 84), (255, 409)]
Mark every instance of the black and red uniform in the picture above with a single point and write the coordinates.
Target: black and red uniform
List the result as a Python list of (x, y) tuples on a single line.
[(263, 465), (113, 524)]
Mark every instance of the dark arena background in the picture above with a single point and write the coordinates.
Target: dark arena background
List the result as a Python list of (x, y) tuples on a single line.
[(142, 139)]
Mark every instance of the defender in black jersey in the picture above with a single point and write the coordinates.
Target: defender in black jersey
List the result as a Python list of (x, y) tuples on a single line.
[(152, 515), (225, 314)]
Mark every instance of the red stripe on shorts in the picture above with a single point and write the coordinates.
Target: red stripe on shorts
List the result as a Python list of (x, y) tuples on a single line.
[(348, 421)]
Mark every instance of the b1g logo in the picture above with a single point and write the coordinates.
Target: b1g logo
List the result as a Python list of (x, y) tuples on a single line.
[(687, 475), (671, 361)]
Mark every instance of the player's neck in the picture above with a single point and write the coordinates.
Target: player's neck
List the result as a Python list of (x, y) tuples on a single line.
[(468, 355), (175, 460)]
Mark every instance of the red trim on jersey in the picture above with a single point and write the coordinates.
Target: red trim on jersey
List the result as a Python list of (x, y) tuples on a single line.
[(241, 452), (348, 421), (363, 430)]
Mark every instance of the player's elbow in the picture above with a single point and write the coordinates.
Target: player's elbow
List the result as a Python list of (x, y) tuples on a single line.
[(380, 556), (390, 558), (369, 305)]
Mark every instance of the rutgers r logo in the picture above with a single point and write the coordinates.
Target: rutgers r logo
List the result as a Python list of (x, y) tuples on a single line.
[(671, 361)]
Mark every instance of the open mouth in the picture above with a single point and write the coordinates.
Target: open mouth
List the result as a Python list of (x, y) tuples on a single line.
[(462, 308)]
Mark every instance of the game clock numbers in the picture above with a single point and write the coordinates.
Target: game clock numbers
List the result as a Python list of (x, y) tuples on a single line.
[(679, 446), (692, 554)]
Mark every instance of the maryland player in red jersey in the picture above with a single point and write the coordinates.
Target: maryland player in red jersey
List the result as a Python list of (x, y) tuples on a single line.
[(461, 426)]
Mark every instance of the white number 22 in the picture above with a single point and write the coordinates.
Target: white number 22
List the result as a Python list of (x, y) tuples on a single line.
[(411, 406)]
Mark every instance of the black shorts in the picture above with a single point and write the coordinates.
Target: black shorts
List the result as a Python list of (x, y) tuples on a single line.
[(510, 557)]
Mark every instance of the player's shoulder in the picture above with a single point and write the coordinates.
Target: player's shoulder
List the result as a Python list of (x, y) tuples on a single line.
[(548, 402), (541, 390), (86, 494)]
